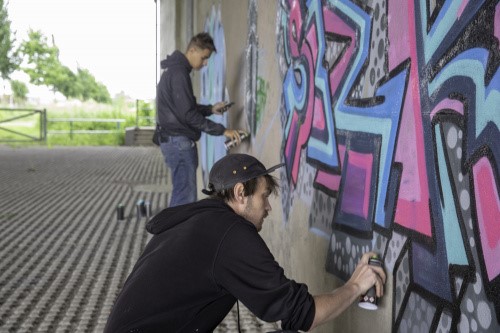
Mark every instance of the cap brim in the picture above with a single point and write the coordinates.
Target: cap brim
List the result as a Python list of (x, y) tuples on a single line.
[(274, 168), (260, 174), (231, 184)]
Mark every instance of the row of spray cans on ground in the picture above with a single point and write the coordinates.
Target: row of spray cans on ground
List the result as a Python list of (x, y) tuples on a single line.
[(143, 209)]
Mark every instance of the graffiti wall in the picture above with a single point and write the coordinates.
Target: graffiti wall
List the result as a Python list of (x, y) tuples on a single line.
[(391, 114), (251, 72), (213, 89), (255, 86)]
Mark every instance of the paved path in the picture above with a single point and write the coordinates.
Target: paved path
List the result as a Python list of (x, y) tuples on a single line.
[(63, 253)]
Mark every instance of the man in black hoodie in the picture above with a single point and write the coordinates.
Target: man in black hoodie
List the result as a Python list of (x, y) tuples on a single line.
[(180, 119), (206, 255)]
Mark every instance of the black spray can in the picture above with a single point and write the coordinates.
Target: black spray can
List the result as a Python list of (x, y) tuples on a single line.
[(120, 212), (147, 209), (140, 208), (369, 300)]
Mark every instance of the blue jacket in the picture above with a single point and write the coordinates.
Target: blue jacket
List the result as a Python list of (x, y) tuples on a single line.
[(178, 113)]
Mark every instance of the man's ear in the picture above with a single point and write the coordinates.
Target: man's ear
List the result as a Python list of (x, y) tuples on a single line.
[(192, 49), (239, 193)]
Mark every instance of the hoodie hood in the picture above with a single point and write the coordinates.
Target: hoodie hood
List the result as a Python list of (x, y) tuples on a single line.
[(177, 58), (173, 216)]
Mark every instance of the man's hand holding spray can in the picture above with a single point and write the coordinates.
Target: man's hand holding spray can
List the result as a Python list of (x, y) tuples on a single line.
[(369, 300), (232, 143), (234, 136)]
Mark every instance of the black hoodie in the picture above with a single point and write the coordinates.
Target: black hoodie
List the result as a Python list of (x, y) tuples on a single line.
[(178, 112), (202, 257)]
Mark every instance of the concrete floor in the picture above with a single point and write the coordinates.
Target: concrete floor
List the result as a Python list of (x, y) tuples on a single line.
[(63, 253)]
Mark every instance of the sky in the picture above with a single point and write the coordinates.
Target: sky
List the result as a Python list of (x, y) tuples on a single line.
[(114, 39)]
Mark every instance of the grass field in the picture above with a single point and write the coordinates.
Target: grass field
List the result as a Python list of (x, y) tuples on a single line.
[(91, 125)]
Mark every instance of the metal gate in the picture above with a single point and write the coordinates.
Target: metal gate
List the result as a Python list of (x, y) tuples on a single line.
[(23, 125)]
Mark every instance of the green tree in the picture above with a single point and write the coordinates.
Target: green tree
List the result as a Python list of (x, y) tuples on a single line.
[(102, 94), (66, 83), (9, 55), (87, 83), (19, 91), (91, 89), (44, 68)]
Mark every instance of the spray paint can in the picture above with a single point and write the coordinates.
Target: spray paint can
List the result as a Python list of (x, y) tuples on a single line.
[(369, 301), (231, 143), (120, 212), (147, 208), (140, 208)]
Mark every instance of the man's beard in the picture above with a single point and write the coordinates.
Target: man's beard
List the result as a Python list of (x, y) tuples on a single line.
[(247, 214)]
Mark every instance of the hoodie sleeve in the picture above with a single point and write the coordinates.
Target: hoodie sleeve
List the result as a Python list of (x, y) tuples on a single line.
[(206, 110), (188, 111), (246, 268)]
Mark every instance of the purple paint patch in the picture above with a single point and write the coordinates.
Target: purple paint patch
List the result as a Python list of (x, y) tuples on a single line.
[(356, 191), (352, 198)]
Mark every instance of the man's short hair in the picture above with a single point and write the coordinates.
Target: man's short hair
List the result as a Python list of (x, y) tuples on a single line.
[(249, 188), (202, 41)]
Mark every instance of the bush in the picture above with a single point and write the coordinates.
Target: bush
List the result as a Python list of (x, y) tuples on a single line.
[(19, 91)]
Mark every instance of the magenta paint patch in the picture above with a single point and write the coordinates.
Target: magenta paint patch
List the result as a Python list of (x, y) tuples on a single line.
[(413, 199), (497, 22), (336, 25), (462, 7), (399, 20), (488, 215), (328, 180), (356, 191), (319, 121), (448, 104)]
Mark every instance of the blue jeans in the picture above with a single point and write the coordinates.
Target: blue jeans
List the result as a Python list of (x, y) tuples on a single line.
[(181, 157)]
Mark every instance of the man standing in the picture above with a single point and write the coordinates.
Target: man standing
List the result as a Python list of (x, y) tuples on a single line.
[(206, 255), (180, 120)]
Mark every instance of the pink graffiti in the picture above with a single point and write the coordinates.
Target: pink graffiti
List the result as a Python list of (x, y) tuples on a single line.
[(334, 24), (331, 181), (306, 48), (448, 104), (488, 215), (462, 7), (413, 199)]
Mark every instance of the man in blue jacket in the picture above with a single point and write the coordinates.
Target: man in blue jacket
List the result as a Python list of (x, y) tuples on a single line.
[(206, 255), (180, 119)]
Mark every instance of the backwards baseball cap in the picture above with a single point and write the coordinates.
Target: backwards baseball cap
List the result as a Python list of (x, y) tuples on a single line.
[(233, 169)]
